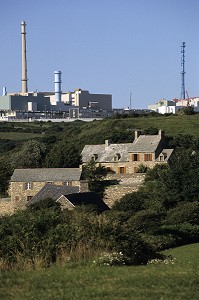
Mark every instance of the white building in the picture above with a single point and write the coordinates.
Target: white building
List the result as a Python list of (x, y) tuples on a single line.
[(164, 106)]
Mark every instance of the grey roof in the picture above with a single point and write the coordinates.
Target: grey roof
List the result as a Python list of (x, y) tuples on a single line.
[(53, 192), (106, 153), (46, 174), (87, 198), (146, 143), (168, 153)]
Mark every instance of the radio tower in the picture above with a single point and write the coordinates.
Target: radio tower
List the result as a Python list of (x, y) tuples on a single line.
[(183, 71)]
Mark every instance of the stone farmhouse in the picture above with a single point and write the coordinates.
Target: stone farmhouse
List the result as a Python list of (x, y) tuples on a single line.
[(146, 150), (26, 183)]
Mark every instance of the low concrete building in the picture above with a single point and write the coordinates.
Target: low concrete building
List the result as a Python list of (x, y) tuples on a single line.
[(146, 150), (25, 102)]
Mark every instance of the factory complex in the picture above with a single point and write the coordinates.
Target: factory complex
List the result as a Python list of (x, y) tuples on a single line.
[(57, 104)]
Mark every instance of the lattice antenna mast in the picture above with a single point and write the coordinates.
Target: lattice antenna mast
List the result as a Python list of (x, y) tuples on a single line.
[(183, 71)]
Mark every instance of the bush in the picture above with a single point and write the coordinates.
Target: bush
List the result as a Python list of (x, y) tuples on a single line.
[(184, 212)]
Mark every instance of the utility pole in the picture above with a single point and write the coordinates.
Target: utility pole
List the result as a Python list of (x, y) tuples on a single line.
[(130, 99)]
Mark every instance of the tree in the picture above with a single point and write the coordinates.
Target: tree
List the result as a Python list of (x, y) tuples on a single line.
[(5, 173), (95, 176), (31, 155), (63, 155)]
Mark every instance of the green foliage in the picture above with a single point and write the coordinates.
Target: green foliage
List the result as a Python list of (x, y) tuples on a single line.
[(131, 202), (45, 234), (187, 212), (63, 155), (31, 155), (5, 173), (142, 168), (95, 174), (189, 110)]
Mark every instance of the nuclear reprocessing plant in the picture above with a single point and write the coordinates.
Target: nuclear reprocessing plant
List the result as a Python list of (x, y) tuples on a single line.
[(72, 103)]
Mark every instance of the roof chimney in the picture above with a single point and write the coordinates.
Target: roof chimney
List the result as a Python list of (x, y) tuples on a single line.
[(107, 143), (137, 134), (161, 133), (24, 78)]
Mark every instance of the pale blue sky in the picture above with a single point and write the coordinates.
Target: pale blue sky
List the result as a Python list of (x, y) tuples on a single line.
[(104, 46)]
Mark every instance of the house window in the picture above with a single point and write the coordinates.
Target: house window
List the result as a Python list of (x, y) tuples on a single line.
[(161, 157), (29, 198), (148, 157), (117, 157), (28, 186), (121, 170), (135, 157), (66, 183)]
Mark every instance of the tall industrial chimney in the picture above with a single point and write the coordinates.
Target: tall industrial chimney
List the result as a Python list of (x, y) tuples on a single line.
[(24, 78), (57, 86)]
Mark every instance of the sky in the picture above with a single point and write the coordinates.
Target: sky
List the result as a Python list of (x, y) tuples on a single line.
[(117, 47)]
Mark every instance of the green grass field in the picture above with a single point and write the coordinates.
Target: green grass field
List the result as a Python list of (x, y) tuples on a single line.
[(18, 136), (177, 279), (172, 125)]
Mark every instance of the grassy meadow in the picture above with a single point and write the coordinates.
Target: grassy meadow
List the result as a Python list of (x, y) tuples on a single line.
[(177, 278), (172, 125)]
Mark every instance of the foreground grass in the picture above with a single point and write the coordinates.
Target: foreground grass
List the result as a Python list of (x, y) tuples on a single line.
[(178, 280)]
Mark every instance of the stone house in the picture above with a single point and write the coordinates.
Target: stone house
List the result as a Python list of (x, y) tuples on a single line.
[(69, 197), (146, 150), (26, 183)]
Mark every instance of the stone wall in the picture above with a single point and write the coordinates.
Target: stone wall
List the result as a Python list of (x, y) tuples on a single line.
[(6, 206), (126, 185)]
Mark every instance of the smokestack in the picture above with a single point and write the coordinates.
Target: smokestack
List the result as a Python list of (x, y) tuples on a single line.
[(24, 78), (58, 86)]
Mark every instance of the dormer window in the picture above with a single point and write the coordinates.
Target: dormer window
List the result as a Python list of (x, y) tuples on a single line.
[(94, 157), (163, 156), (117, 157)]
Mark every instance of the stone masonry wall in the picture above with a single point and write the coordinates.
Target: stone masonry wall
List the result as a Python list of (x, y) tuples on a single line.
[(6, 206), (126, 185)]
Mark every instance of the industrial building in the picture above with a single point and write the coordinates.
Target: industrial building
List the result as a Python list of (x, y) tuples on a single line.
[(56, 101), (164, 106)]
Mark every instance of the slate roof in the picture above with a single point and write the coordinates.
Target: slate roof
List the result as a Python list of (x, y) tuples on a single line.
[(168, 153), (146, 143), (46, 174), (53, 192), (106, 153), (87, 198)]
